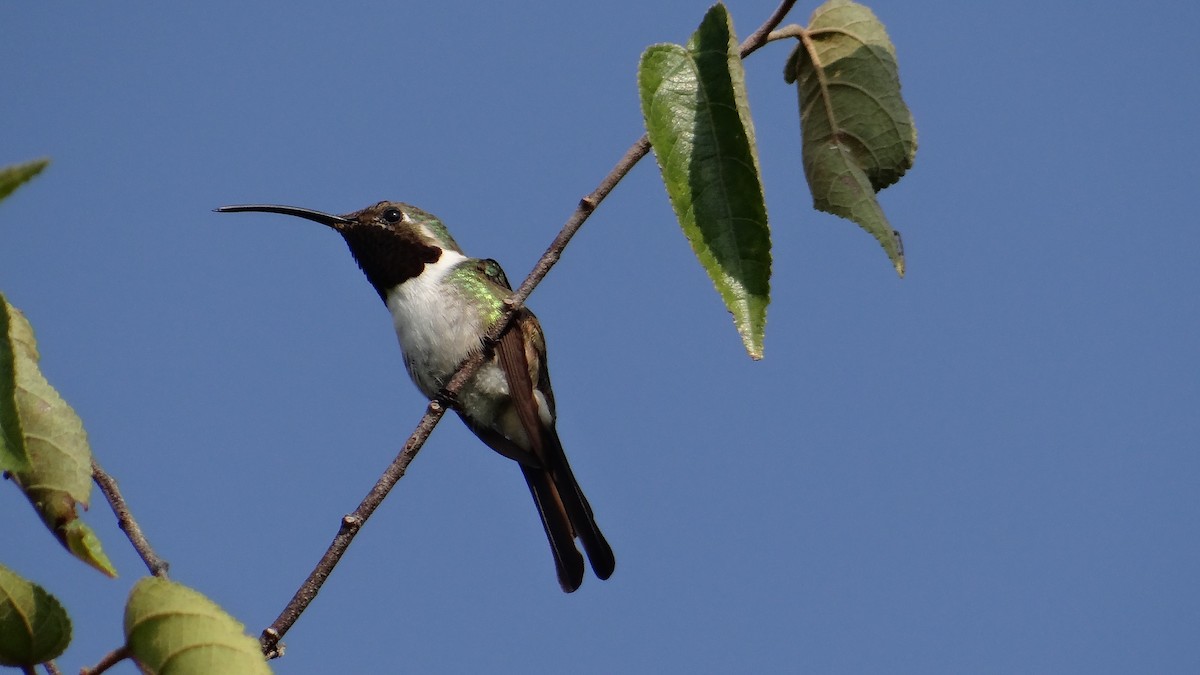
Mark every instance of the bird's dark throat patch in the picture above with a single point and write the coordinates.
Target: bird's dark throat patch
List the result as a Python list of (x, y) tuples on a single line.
[(388, 257)]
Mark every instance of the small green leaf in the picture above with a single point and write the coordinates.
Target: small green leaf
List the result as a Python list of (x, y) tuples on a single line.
[(171, 629), (81, 541), (34, 627), (49, 434), (698, 120), (858, 135), (11, 177)]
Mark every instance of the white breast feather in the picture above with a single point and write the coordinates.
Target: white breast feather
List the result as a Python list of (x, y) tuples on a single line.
[(436, 329)]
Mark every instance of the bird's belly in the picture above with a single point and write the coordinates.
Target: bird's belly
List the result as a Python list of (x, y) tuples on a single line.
[(434, 347)]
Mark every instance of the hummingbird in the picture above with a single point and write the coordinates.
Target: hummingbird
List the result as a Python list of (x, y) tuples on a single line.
[(442, 302)]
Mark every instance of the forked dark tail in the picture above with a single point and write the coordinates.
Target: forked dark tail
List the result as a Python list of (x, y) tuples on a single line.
[(578, 511), (567, 561)]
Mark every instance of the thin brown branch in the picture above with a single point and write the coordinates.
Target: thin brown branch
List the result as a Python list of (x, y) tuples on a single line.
[(759, 37), (108, 486), (350, 526), (51, 668), (353, 522), (110, 659)]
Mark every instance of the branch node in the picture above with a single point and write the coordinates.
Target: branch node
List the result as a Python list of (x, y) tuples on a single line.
[(271, 646)]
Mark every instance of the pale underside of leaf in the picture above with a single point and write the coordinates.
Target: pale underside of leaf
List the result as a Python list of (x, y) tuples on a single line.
[(171, 629), (858, 134), (698, 120), (13, 454), (58, 477), (53, 434)]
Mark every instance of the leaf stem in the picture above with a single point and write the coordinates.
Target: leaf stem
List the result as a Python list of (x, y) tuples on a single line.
[(789, 31), (110, 659), (353, 522)]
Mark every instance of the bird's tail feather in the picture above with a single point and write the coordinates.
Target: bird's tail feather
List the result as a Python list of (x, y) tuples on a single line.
[(556, 522), (578, 511)]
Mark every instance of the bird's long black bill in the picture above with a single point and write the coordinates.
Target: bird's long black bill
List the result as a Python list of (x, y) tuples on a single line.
[(309, 214)]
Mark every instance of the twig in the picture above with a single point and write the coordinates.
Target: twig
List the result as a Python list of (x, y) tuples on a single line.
[(51, 668), (110, 659), (353, 522), (759, 37), (108, 486)]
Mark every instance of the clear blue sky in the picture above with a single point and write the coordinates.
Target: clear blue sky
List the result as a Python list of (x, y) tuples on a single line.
[(990, 466)]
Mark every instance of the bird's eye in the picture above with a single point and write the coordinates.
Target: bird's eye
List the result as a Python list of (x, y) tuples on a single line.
[(393, 215)]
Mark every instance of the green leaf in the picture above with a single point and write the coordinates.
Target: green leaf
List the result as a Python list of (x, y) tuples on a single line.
[(81, 541), (698, 120), (34, 627), (171, 629), (48, 433), (858, 135), (11, 177), (13, 455)]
